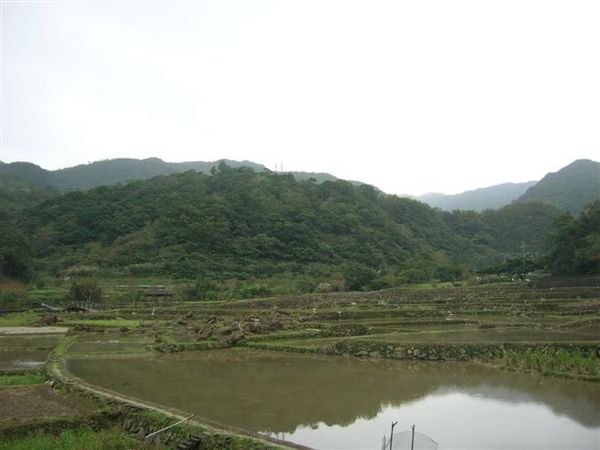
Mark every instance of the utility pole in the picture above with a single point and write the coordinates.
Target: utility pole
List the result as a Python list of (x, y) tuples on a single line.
[(392, 434), (412, 439), (523, 255)]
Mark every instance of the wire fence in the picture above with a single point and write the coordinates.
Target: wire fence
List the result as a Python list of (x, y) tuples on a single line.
[(403, 440)]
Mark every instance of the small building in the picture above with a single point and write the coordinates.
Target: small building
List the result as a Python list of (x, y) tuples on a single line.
[(158, 292)]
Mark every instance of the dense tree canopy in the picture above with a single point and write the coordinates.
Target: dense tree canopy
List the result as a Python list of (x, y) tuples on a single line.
[(15, 252), (575, 243), (238, 223)]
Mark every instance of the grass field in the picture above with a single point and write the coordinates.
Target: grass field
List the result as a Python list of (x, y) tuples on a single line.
[(22, 379), (79, 439)]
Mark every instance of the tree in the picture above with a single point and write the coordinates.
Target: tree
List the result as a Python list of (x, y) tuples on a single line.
[(15, 253), (203, 289), (86, 291), (358, 276), (575, 244)]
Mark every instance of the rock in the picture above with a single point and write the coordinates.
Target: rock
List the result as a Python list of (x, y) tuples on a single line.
[(48, 320), (235, 338)]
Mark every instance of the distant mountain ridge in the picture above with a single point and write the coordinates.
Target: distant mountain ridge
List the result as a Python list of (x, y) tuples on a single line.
[(106, 172), (571, 189), (492, 197), (109, 172)]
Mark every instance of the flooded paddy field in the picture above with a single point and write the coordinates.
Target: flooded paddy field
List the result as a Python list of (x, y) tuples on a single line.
[(29, 341), (337, 402), (23, 352), (429, 357), (22, 359)]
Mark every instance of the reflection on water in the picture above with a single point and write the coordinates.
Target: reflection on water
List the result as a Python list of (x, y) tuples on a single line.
[(350, 403), (29, 342), (25, 352), (22, 359)]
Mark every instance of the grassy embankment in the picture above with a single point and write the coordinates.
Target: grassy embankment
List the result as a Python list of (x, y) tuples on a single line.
[(22, 379), (81, 438), (561, 362)]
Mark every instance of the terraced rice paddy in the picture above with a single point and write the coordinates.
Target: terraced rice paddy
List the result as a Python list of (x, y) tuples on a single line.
[(25, 352), (416, 355)]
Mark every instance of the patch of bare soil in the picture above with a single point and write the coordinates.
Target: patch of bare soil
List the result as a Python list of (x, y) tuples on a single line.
[(36, 402), (32, 330)]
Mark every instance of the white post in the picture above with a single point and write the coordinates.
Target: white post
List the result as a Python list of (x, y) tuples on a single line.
[(166, 428)]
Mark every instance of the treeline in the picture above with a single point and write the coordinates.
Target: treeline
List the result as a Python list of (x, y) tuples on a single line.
[(238, 224), (575, 244)]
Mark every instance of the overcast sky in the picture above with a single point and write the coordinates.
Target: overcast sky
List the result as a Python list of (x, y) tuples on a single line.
[(411, 96)]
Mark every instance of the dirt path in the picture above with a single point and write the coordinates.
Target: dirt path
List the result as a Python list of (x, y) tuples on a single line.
[(32, 330)]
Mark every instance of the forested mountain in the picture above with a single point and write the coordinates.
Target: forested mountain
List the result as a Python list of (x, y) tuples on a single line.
[(23, 185), (571, 189), (237, 223), (492, 197)]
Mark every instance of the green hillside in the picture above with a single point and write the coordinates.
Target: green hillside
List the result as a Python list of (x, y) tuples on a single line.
[(571, 189), (241, 224), (23, 185)]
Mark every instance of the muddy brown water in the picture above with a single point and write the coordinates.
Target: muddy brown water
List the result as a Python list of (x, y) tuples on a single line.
[(29, 342), (23, 359), (25, 352), (349, 403)]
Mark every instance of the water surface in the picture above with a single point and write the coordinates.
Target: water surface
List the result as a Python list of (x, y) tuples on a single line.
[(349, 403), (25, 352), (29, 342), (22, 359)]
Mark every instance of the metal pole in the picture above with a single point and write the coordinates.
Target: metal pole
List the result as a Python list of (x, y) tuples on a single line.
[(170, 426), (392, 434), (412, 439)]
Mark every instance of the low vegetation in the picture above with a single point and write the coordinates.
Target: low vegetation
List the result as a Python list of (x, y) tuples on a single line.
[(23, 319), (22, 379), (81, 438), (556, 362), (108, 323)]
